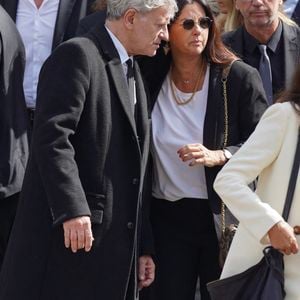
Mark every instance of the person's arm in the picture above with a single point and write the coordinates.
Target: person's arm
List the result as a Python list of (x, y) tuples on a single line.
[(245, 92), (260, 151), (62, 89)]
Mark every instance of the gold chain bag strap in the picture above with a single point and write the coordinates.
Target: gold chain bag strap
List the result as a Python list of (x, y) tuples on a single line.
[(227, 231)]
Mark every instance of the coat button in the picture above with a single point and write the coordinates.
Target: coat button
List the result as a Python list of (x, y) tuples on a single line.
[(130, 225), (135, 181)]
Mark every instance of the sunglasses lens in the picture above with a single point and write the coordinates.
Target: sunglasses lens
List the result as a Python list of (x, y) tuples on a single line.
[(204, 23), (188, 24)]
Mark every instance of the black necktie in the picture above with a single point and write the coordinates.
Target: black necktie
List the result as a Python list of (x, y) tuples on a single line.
[(265, 72), (130, 81)]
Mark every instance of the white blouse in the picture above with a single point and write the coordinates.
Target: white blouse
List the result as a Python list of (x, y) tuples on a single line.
[(173, 127)]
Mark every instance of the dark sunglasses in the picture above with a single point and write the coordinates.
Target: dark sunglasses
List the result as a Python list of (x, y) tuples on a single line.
[(203, 22)]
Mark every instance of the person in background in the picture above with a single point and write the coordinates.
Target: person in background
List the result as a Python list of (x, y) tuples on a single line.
[(292, 10), (267, 41), (43, 25), (81, 230), (269, 154), (187, 102), (225, 7), (13, 125)]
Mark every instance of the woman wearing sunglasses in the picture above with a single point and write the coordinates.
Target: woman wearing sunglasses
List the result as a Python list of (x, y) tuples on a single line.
[(188, 145)]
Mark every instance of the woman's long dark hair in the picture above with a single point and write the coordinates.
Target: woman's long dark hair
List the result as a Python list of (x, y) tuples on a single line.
[(292, 94), (215, 51)]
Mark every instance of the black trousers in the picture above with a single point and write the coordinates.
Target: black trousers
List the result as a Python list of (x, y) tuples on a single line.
[(8, 208), (186, 248)]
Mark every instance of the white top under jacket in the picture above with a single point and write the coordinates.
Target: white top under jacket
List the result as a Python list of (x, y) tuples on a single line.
[(173, 127), (269, 153), (36, 27)]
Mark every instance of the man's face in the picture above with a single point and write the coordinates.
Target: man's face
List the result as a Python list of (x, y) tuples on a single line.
[(149, 29), (258, 13)]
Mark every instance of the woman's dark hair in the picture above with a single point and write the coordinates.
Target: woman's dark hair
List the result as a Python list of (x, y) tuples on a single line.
[(215, 51), (292, 94)]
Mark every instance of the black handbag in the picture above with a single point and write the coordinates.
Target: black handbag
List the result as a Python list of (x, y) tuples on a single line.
[(265, 280)]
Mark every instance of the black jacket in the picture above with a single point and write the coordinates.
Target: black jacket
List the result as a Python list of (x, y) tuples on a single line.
[(13, 115)]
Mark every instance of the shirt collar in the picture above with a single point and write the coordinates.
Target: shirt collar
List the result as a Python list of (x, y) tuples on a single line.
[(251, 42), (120, 48)]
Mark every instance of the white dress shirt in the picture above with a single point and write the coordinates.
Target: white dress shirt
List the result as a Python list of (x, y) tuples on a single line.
[(174, 126), (36, 27)]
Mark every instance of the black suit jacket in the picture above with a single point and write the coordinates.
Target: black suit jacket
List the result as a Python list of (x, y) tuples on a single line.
[(246, 104), (291, 38), (86, 159), (70, 12), (13, 118)]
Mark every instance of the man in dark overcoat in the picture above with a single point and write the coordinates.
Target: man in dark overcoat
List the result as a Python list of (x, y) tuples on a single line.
[(80, 231), (13, 125)]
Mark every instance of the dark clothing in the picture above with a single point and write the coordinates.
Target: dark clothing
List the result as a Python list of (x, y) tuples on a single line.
[(13, 125), (95, 19), (284, 52), (85, 161), (187, 247), (13, 117), (8, 208), (275, 52), (70, 12), (296, 14)]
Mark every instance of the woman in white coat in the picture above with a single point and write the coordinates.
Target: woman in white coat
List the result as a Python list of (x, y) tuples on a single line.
[(269, 154)]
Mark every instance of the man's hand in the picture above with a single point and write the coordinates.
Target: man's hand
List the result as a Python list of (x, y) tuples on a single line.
[(78, 234), (146, 271)]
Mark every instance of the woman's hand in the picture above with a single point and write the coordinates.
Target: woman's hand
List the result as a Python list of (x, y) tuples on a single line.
[(282, 237), (197, 154)]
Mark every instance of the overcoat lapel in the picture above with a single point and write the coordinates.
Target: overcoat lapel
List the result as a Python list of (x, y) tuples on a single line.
[(142, 110), (117, 74), (63, 15), (115, 68), (291, 53)]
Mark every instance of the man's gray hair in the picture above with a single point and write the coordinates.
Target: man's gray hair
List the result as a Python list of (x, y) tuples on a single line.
[(116, 8)]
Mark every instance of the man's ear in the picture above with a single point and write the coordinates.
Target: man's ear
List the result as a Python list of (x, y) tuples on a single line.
[(129, 17)]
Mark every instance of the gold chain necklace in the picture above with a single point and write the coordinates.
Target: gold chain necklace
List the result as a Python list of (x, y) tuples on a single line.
[(178, 100)]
